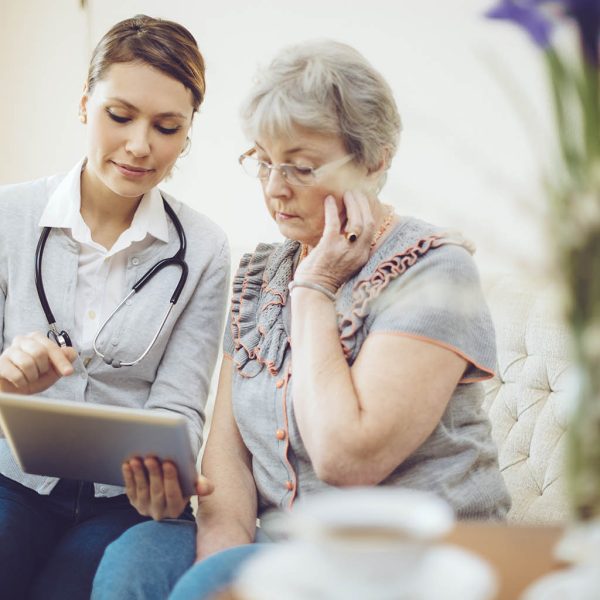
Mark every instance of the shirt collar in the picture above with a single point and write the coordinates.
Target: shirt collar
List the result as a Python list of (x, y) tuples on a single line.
[(65, 202), (150, 217), (64, 205)]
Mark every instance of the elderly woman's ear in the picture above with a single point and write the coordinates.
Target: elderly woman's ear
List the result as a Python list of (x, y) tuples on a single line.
[(376, 175)]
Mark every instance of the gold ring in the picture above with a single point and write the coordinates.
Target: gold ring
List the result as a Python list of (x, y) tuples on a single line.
[(351, 236)]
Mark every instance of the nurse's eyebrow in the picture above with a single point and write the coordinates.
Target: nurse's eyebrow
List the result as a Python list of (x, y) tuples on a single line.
[(136, 109)]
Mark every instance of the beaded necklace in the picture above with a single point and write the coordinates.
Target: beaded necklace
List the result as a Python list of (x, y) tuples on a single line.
[(383, 227)]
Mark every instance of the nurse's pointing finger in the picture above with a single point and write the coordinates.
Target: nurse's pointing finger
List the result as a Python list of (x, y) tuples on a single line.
[(60, 358)]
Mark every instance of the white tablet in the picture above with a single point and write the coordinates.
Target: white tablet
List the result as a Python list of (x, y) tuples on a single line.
[(89, 442)]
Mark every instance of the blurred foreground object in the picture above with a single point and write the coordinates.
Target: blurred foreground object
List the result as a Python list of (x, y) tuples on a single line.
[(573, 184), (573, 187), (376, 543)]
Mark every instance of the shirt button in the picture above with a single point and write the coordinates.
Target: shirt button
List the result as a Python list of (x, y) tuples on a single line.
[(91, 314), (135, 261), (114, 342), (102, 489), (289, 485), (280, 434), (128, 302)]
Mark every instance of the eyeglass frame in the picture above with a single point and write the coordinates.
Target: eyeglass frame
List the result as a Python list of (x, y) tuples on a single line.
[(284, 168)]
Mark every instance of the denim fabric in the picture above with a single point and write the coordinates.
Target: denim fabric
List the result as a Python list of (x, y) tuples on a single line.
[(146, 561), (213, 574), (50, 546)]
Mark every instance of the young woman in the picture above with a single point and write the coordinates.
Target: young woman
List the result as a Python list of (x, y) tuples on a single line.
[(98, 229)]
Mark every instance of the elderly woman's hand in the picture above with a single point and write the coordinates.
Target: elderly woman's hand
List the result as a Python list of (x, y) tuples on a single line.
[(339, 254)]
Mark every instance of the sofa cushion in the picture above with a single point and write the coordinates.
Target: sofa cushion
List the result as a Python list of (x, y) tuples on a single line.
[(528, 399)]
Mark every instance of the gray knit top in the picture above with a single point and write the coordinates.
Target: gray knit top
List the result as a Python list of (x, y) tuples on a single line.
[(420, 282), (175, 375)]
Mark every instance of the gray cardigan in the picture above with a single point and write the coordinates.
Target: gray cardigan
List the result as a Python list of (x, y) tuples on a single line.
[(175, 375)]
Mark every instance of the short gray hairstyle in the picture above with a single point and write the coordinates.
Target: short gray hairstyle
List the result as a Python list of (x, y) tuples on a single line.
[(329, 87)]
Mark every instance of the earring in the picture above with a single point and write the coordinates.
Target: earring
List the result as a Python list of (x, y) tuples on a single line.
[(82, 117), (186, 147)]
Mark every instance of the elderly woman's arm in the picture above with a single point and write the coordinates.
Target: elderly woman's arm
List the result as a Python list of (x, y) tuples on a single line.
[(358, 424), (228, 516)]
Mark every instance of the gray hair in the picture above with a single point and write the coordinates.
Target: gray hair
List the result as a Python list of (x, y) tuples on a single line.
[(328, 87)]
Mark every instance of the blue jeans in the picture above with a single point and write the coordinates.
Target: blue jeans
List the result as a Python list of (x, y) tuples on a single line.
[(146, 561), (50, 546), (213, 574)]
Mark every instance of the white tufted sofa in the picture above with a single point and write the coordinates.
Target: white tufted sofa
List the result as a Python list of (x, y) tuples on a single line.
[(527, 400)]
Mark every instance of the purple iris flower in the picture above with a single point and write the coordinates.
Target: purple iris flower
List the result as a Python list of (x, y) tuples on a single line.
[(527, 14), (586, 13)]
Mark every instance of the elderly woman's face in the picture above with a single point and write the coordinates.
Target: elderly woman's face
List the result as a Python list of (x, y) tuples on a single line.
[(299, 211)]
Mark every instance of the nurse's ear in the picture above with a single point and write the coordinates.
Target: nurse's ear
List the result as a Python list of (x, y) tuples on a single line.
[(83, 104)]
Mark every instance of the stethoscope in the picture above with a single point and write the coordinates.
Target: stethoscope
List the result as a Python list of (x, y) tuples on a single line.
[(63, 339)]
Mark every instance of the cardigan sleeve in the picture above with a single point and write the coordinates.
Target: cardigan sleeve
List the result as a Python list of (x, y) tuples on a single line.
[(183, 378)]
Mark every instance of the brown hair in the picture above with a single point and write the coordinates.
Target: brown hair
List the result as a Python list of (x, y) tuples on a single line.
[(164, 45)]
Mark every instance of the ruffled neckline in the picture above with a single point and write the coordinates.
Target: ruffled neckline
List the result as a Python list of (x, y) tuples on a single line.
[(260, 292)]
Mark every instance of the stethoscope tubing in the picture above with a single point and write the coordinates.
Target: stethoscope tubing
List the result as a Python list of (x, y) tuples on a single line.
[(178, 259), (117, 363)]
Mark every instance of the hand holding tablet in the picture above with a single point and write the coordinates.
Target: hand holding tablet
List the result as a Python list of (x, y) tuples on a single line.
[(153, 488)]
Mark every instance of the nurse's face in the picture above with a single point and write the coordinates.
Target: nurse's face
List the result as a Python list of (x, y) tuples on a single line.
[(138, 119)]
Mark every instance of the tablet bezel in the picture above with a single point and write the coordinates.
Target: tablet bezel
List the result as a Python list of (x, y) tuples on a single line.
[(96, 438)]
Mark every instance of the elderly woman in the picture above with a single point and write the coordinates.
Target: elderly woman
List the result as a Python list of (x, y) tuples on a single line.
[(355, 349)]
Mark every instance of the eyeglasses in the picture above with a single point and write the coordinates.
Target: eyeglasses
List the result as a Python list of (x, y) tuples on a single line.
[(293, 174)]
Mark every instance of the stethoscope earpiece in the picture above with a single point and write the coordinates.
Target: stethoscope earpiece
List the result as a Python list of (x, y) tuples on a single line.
[(63, 339)]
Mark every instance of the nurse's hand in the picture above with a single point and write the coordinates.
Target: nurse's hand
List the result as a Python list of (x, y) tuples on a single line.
[(153, 488), (32, 363)]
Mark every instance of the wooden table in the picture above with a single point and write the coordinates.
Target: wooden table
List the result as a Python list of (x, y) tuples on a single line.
[(519, 554)]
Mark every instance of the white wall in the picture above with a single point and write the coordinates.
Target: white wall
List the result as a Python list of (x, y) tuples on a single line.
[(43, 61), (466, 159)]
